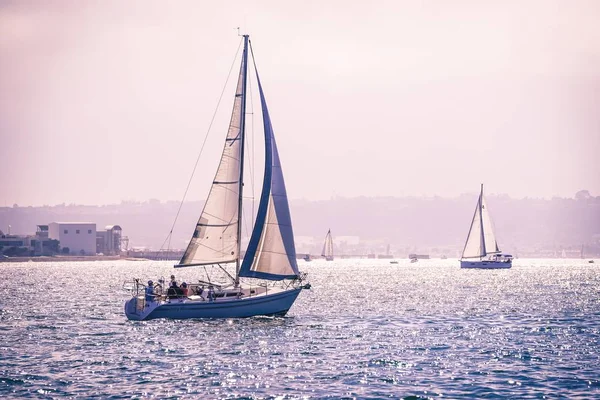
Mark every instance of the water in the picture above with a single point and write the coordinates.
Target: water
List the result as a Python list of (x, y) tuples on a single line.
[(367, 329)]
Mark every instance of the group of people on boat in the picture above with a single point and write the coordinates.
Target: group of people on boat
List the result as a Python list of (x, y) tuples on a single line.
[(153, 292), (505, 258), (174, 291)]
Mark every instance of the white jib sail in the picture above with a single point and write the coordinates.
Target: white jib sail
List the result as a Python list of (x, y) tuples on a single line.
[(271, 253), (215, 237), (272, 257)]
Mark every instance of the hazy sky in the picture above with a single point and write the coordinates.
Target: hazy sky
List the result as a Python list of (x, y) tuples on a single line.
[(103, 101)]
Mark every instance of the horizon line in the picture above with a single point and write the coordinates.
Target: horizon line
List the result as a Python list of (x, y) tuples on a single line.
[(332, 198)]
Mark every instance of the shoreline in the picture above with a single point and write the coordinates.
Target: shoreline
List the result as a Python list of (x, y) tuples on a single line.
[(68, 258)]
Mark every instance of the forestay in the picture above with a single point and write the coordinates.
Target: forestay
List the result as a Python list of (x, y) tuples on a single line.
[(215, 239)]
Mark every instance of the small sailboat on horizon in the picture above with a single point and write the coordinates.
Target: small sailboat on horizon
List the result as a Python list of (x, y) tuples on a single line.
[(327, 251), (481, 248), (266, 280), (582, 257)]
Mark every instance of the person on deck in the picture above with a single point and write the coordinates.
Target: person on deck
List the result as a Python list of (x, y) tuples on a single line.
[(184, 289), (149, 292), (174, 291)]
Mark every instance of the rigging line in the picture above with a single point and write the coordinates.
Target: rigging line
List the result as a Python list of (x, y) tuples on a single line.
[(250, 158), (253, 158), (253, 152), (245, 223), (226, 272), (168, 238), (207, 275), (253, 165)]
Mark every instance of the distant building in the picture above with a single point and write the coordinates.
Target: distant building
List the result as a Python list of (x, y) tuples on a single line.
[(42, 232), (28, 245), (15, 245), (13, 240), (108, 241), (79, 237), (42, 244)]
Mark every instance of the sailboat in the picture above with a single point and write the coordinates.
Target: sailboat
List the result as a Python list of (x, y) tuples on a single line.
[(328, 247), (590, 261), (481, 248), (266, 279)]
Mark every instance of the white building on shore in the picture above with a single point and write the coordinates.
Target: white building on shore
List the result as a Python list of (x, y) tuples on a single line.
[(108, 241), (79, 237)]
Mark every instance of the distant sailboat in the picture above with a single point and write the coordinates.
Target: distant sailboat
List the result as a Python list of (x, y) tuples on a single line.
[(216, 240), (582, 257), (481, 248), (328, 247)]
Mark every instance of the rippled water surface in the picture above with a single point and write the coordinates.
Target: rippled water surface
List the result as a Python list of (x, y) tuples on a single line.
[(367, 329)]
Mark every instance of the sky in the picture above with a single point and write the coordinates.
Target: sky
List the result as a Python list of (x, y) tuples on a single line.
[(110, 101)]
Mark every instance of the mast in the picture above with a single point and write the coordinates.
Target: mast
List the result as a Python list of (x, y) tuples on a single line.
[(242, 139), (481, 223)]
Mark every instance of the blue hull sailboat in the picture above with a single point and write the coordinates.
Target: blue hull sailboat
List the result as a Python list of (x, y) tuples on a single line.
[(266, 279), (481, 248)]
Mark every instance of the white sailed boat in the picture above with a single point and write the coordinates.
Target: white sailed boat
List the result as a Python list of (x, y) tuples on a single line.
[(266, 280), (481, 248), (327, 251)]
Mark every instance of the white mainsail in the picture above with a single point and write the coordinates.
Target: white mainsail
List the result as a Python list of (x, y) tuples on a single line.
[(215, 239), (481, 239)]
